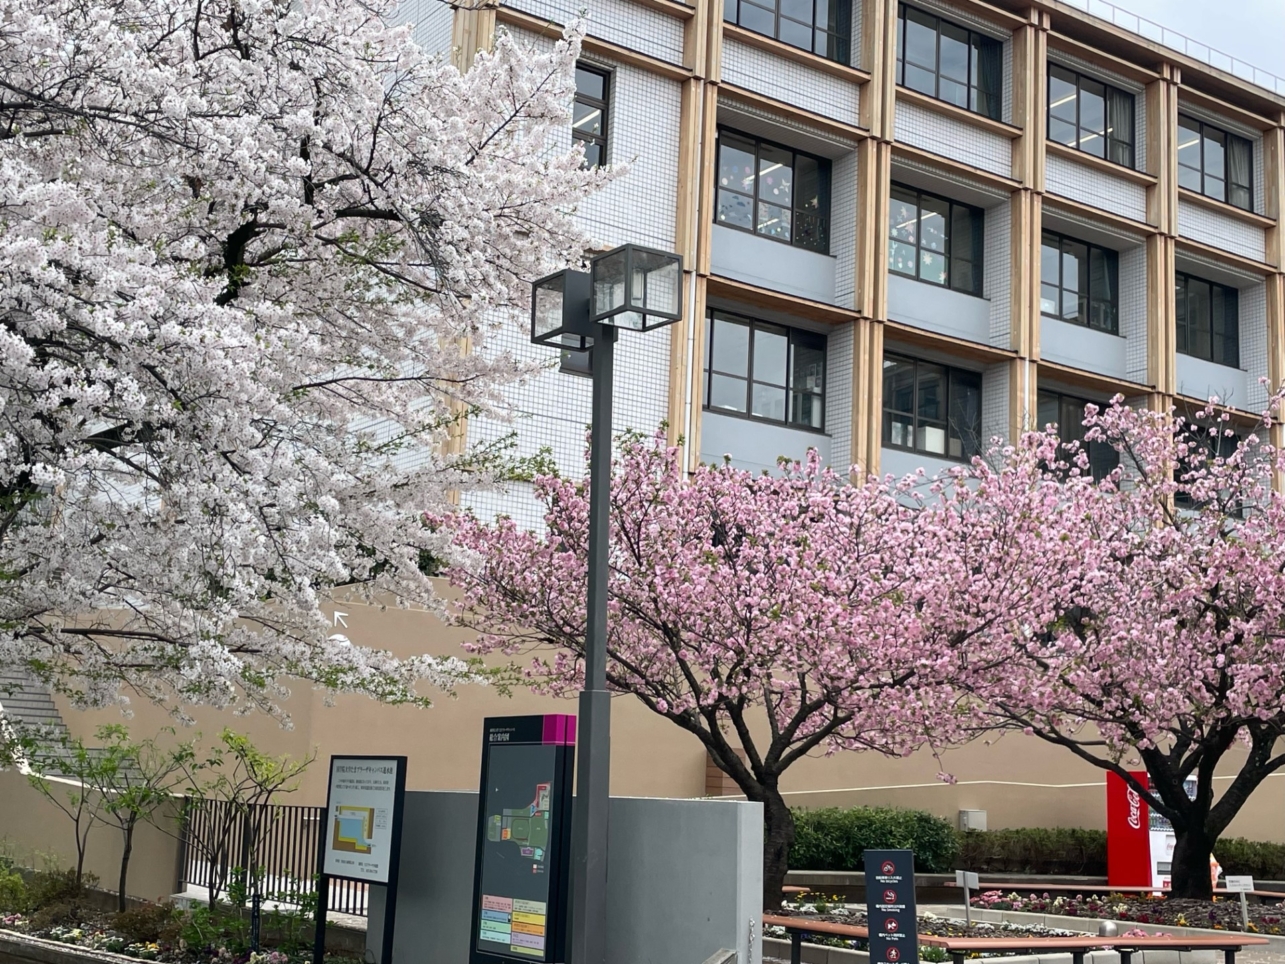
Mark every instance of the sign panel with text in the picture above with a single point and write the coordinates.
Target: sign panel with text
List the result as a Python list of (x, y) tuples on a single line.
[(890, 907), (362, 828), (520, 885)]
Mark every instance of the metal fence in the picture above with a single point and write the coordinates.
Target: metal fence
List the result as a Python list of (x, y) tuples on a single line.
[(222, 841)]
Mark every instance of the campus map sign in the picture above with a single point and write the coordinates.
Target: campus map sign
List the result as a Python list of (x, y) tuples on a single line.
[(363, 817), (890, 907), (523, 840)]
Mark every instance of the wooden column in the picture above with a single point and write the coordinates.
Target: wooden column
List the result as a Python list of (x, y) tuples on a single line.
[(473, 29), (702, 52), (878, 55), (1274, 207), (1162, 214)]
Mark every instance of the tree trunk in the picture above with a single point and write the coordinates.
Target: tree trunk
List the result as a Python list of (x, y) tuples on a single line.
[(1191, 852), (124, 862), (778, 836)]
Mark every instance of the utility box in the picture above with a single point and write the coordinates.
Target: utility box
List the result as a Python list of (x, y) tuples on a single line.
[(972, 820)]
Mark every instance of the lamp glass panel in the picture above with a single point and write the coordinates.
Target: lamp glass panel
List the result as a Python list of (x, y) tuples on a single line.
[(608, 283), (655, 283), (547, 313)]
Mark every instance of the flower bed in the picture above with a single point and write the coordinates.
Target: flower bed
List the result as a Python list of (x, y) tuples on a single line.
[(1218, 914)]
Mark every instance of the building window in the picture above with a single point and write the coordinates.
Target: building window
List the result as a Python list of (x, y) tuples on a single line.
[(1208, 320), (763, 371), (935, 240), (1090, 116), (931, 408), (589, 122), (773, 191), (949, 62), (1067, 412), (1215, 163), (1080, 283), (821, 26), (1207, 440)]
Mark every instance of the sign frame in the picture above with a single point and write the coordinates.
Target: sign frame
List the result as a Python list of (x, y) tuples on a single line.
[(559, 731), (394, 858), (891, 910)]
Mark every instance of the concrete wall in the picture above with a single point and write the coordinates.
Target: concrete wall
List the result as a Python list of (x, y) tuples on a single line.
[(34, 831), (685, 879)]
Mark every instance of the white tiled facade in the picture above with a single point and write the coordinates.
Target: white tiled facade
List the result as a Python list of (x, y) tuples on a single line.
[(764, 90)]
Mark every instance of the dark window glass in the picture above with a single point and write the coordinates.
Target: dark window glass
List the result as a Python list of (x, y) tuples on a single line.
[(1208, 441), (1079, 283), (1067, 413), (1208, 320), (764, 371), (773, 191), (931, 409), (1215, 163), (822, 27), (1090, 116), (936, 240), (589, 119), (949, 62)]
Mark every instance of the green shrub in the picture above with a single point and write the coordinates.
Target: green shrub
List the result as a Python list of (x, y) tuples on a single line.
[(14, 897), (147, 923), (1256, 858), (50, 887), (1033, 850), (834, 839)]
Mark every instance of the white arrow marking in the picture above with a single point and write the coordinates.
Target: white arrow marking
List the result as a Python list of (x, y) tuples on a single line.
[(339, 619)]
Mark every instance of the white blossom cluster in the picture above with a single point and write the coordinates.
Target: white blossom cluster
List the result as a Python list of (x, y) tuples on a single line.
[(245, 249)]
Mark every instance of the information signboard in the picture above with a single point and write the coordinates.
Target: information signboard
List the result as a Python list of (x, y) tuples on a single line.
[(363, 815), (523, 839), (890, 907), (360, 836)]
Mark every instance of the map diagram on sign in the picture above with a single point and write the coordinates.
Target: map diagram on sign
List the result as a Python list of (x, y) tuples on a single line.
[(527, 827), (353, 829)]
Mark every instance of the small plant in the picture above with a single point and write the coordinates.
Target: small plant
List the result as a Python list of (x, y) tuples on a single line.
[(933, 954), (147, 923), (14, 896)]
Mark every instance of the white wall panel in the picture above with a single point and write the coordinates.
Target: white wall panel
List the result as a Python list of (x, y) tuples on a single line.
[(955, 139), (1088, 185)]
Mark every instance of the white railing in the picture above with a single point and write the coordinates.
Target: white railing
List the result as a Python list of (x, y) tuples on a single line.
[(1105, 10)]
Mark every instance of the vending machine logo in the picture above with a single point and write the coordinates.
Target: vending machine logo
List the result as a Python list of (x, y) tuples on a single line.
[(1135, 808)]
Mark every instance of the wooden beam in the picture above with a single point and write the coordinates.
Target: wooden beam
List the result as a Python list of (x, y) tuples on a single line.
[(835, 128), (1101, 164), (756, 297), (1136, 229), (1225, 209), (1215, 105), (996, 181), (1092, 55), (960, 347), (971, 118), (1235, 262), (543, 27)]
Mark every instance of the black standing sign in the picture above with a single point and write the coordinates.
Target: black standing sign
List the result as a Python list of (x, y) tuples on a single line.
[(520, 882), (890, 907), (360, 836)]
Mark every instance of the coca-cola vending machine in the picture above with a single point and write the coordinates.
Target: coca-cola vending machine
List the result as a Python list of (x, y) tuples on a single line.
[(1139, 842)]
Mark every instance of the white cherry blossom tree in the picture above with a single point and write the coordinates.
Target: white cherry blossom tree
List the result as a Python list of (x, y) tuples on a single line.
[(243, 245)]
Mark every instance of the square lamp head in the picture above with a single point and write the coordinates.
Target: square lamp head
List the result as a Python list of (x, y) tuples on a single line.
[(636, 288), (560, 311)]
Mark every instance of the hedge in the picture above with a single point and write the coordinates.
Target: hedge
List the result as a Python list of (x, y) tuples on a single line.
[(834, 839)]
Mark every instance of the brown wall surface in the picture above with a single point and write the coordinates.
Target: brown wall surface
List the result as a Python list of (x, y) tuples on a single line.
[(1018, 780), (35, 830)]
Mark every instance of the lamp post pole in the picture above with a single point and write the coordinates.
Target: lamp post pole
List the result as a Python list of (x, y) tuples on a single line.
[(640, 289), (589, 823)]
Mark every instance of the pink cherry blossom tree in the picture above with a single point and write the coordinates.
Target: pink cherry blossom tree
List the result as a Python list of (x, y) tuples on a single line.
[(1165, 642), (771, 617), (242, 246)]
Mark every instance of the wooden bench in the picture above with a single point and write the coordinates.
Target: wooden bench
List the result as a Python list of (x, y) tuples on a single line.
[(960, 947)]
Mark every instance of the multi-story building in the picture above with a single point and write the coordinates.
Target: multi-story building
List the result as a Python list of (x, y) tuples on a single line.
[(906, 227)]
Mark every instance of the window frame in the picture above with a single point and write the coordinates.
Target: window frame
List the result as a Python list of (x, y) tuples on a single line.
[(949, 374), (1087, 299), (978, 230), (825, 175), (1107, 136), (1062, 399), (838, 41), (1183, 327), (793, 335), (603, 105), (976, 43), (1228, 136)]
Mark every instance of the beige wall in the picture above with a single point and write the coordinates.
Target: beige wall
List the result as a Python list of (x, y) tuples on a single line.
[(1018, 780), (33, 830)]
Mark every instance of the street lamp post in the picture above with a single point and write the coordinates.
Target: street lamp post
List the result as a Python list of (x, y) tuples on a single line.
[(639, 289)]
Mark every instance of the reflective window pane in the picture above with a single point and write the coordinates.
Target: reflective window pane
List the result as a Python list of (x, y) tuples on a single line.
[(953, 52), (727, 393), (731, 347), (768, 402), (1062, 94), (771, 348), (921, 39)]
